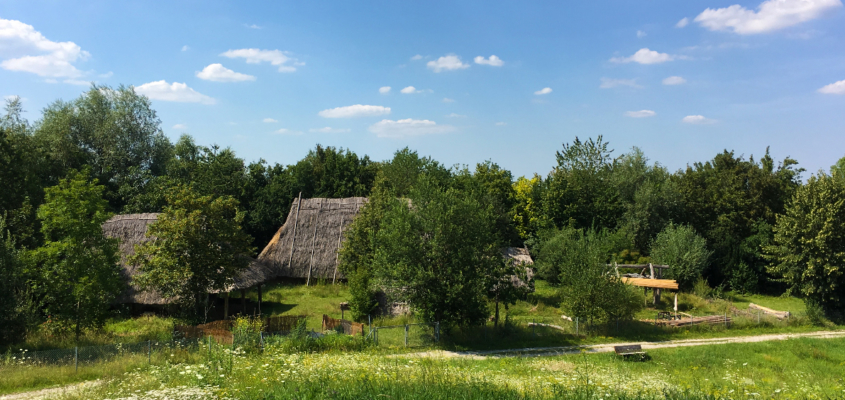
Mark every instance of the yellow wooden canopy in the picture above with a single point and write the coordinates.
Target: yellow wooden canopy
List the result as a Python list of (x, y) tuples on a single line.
[(652, 283)]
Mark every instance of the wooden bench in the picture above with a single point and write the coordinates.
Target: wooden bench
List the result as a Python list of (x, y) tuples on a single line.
[(632, 350)]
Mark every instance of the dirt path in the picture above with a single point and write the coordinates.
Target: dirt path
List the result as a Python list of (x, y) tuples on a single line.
[(49, 392), (608, 347)]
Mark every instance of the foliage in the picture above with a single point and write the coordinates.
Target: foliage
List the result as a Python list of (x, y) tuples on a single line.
[(438, 251), (75, 272), (808, 250), (11, 288), (199, 247), (577, 262), (528, 217), (684, 251), (403, 172)]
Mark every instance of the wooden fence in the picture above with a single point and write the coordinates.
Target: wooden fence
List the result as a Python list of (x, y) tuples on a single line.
[(347, 327), (282, 323)]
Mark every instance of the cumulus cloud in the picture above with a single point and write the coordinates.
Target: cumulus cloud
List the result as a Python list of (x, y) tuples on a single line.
[(408, 127), (180, 126), (274, 57), (178, 92), (269, 120), (607, 83), (644, 56), (493, 61), (770, 15), (697, 120), (543, 91), (357, 110), (641, 34), (674, 80), (411, 89), (448, 100), (834, 88), (384, 89), (682, 23), (328, 130), (640, 114), (416, 57), (449, 62), (30, 51), (219, 73)]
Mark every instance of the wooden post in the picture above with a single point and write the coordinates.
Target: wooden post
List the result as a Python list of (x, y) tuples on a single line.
[(259, 299), (658, 292), (313, 243), (226, 306), (295, 224), (337, 251), (676, 302)]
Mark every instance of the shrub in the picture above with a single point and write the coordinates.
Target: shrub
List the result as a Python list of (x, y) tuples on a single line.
[(684, 251)]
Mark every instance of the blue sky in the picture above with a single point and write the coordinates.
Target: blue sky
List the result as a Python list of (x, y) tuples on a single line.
[(682, 80)]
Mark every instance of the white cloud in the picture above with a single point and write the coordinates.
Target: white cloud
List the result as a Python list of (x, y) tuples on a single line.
[(274, 57), (384, 89), (771, 15), (501, 123), (416, 57), (834, 88), (328, 130), (411, 89), (185, 48), (682, 23), (357, 110), (78, 82), (180, 126), (253, 26), (607, 83), (697, 120), (455, 115), (269, 120), (179, 92), (640, 114), (449, 62), (285, 131), (448, 100), (493, 61), (641, 34), (674, 80), (543, 91), (32, 52), (219, 73), (644, 56), (408, 127)]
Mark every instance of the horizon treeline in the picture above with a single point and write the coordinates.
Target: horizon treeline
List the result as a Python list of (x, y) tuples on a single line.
[(115, 136)]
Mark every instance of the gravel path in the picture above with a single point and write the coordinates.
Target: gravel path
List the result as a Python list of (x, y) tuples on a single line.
[(55, 391)]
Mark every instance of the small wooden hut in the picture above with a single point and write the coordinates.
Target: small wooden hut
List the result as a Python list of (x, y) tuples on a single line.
[(307, 245), (131, 229)]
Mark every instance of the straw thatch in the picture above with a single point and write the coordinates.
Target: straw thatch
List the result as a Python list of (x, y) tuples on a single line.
[(520, 257), (307, 244), (131, 229)]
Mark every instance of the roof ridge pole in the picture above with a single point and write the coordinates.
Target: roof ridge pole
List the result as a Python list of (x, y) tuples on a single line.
[(314, 243), (295, 223), (337, 251)]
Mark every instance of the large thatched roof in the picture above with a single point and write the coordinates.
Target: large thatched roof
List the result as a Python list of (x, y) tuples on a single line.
[(310, 238), (131, 229)]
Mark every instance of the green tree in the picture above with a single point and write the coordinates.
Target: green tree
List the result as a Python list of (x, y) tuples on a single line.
[(439, 251), (808, 250), (404, 170), (76, 270), (199, 247), (11, 288), (684, 251), (837, 171)]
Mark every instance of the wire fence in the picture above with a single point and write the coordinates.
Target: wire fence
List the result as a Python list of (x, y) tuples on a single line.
[(407, 335), (82, 355)]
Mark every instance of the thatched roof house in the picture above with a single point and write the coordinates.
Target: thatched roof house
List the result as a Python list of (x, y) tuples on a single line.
[(307, 245), (131, 229)]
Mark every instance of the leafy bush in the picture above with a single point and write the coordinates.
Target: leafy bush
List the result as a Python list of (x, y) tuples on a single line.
[(684, 251)]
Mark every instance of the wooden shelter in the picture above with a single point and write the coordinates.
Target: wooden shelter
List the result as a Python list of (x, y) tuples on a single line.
[(653, 281), (307, 245), (131, 229)]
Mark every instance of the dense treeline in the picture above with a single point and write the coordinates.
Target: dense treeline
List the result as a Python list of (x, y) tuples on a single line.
[(733, 221)]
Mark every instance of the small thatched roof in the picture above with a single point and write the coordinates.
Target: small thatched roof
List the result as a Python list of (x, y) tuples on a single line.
[(311, 237), (131, 229)]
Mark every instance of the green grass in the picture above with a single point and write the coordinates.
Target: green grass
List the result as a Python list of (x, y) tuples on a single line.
[(793, 369)]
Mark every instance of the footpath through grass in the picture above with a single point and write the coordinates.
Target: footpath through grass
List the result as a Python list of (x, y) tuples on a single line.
[(793, 369)]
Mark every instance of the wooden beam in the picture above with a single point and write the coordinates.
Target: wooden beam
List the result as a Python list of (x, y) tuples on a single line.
[(295, 224), (313, 243), (652, 283), (337, 251), (638, 266)]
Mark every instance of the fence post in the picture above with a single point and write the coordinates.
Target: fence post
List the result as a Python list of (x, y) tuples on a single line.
[(76, 358), (406, 335), (726, 319), (149, 351)]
